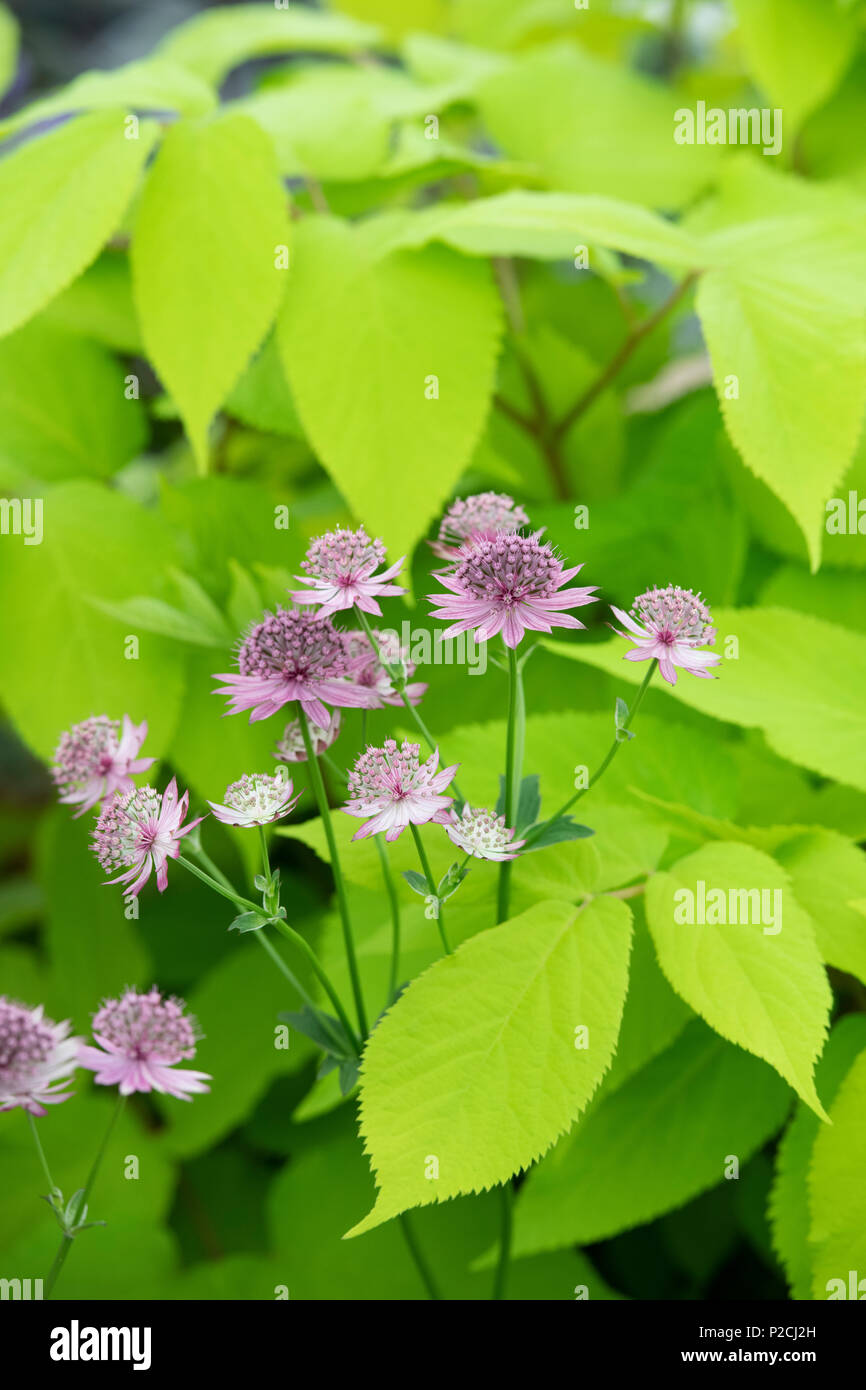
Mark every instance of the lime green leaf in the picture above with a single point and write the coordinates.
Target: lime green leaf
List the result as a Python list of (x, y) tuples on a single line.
[(366, 342), (653, 1016), (324, 124), (262, 397), (99, 304), (206, 300), (798, 679), (759, 981), (143, 86), (837, 1193), (828, 877), (63, 194), (652, 1145), (550, 226), (477, 1067), (788, 364), (797, 50), (64, 409), (213, 43), (540, 109), (64, 660), (788, 1207)]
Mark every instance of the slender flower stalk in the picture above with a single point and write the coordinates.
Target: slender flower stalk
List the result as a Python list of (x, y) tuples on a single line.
[(431, 884), (340, 887), (513, 769), (394, 904), (68, 1237), (53, 1189), (609, 756), (418, 1257)]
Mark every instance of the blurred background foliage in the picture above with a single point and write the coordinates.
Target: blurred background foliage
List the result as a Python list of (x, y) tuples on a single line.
[(254, 1187)]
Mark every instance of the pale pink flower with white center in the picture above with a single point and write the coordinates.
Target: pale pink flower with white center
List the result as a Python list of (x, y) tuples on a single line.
[(37, 1058), (294, 656), (477, 518), (139, 831), (141, 1038), (373, 672), (483, 834), (392, 787), (258, 798), (340, 569), (95, 758), (672, 624), (509, 584), (291, 747)]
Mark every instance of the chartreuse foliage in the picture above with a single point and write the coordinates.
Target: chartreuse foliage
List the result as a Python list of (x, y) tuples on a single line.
[(305, 267), (478, 1068)]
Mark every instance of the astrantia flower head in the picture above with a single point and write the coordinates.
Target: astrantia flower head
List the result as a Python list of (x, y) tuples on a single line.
[(340, 570), (141, 1038), (257, 799), (483, 834), (37, 1058), (393, 787), (372, 668), (96, 758), (138, 832), (670, 625), (291, 747), (477, 518), (507, 585), (294, 656)]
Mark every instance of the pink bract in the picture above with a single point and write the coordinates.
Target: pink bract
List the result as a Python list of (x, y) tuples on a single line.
[(37, 1058), (140, 1040), (481, 517), (669, 625), (510, 584), (139, 831), (392, 787), (290, 656), (96, 758), (340, 571)]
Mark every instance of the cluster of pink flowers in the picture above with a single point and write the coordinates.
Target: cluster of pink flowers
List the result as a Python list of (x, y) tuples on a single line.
[(96, 758), (340, 570), (140, 1039), (670, 625), (390, 788)]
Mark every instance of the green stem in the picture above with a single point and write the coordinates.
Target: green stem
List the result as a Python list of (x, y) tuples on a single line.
[(608, 758), (431, 884), (318, 969), (339, 885), (391, 890), (394, 674), (52, 1185), (418, 1256), (513, 768), (506, 1219), (66, 1240), (229, 893)]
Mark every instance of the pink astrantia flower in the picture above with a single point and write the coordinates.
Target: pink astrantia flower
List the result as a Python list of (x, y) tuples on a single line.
[(476, 518), (395, 789), (291, 747), (37, 1058), (294, 656), (509, 584), (96, 758), (483, 834), (372, 670), (340, 569), (672, 624), (141, 1038), (139, 831), (257, 799)]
